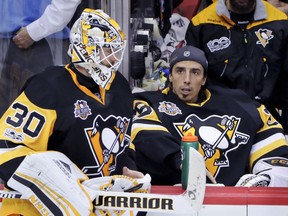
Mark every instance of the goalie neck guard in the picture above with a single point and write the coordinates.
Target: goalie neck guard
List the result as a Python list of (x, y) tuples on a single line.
[(97, 44)]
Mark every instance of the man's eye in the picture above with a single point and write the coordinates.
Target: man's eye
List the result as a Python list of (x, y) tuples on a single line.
[(196, 72)]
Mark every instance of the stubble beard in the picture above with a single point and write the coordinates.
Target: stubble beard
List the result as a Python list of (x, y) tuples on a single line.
[(242, 6)]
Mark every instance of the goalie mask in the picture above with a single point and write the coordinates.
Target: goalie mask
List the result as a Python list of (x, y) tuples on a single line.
[(97, 44)]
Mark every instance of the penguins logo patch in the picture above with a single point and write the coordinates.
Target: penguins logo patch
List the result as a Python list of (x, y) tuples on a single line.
[(264, 35)]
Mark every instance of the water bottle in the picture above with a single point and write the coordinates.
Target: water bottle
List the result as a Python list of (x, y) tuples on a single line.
[(188, 141)]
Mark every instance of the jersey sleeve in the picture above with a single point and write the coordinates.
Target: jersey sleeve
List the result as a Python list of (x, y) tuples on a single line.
[(282, 93), (269, 140), (25, 127), (156, 148)]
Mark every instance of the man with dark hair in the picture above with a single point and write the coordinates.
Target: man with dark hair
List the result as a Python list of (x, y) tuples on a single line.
[(237, 135)]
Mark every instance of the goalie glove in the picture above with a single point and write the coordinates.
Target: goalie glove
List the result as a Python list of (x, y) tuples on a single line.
[(52, 183), (118, 183), (252, 180), (267, 172)]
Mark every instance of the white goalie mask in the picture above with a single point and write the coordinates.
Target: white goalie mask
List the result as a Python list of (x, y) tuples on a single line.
[(97, 43)]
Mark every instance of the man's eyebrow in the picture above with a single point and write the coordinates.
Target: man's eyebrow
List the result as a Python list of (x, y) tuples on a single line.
[(179, 67), (193, 69)]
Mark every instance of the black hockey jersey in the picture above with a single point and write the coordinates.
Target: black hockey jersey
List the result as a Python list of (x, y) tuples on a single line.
[(233, 131), (56, 112)]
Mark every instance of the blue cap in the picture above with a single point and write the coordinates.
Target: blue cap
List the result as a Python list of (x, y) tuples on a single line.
[(188, 53)]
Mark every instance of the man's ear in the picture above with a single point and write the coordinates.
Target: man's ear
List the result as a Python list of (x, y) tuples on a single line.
[(204, 80), (170, 78)]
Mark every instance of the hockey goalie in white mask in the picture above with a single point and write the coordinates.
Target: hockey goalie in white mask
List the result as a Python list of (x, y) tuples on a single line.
[(50, 169), (97, 44)]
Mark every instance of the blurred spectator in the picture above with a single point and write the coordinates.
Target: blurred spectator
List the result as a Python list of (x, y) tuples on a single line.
[(164, 9), (188, 8), (24, 49), (281, 5), (246, 46), (175, 38)]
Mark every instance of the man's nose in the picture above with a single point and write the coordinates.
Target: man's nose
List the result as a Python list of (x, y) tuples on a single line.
[(187, 77)]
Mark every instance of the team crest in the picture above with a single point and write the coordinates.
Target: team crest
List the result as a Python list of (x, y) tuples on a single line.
[(107, 139), (264, 35), (218, 135), (169, 108), (81, 109)]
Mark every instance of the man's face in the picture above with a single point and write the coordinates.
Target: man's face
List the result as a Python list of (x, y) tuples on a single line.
[(187, 77), (242, 6)]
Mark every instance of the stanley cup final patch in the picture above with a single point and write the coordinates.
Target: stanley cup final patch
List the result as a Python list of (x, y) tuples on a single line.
[(81, 109)]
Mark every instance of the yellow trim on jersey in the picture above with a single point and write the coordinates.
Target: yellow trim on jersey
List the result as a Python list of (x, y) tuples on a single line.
[(273, 14), (18, 206), (20, 113), (18, 152), (166, 90), (208, 96), (209, 15), (132, 146), (206, 92), (268, 120), (149, 115), (102, 91), (265, 146), (136, 127)]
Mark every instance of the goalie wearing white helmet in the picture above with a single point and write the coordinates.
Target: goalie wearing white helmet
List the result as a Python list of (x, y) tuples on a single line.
[(97, 44), (70, 124)]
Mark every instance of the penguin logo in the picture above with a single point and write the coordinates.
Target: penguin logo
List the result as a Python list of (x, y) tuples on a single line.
[(107, 139), (264, 35), (217, 135)]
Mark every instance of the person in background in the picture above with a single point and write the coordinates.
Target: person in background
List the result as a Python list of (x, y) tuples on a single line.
[(71, 123), (238, 137), (246, 46), (28, 26)]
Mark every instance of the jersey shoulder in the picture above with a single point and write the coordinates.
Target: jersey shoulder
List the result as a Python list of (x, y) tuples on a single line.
[(52, 74), (149, 96), (121, 82), (237, 97), (43, 87)]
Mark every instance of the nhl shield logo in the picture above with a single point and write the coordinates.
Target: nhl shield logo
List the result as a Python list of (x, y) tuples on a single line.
[(186, 53)]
